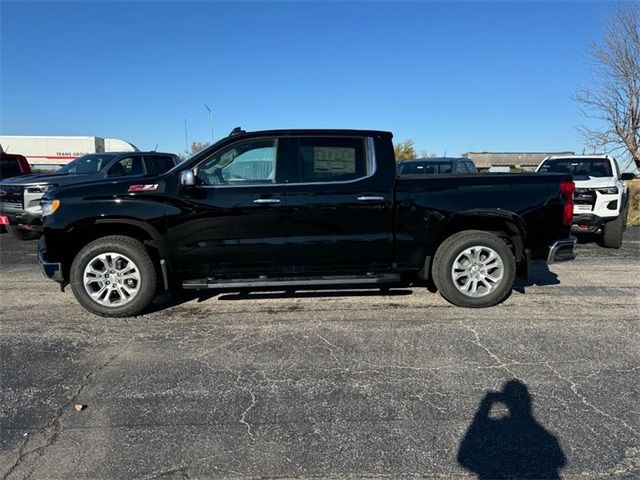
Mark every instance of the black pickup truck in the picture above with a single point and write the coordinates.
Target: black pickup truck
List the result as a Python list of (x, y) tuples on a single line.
[(301, 209), (20, 196)]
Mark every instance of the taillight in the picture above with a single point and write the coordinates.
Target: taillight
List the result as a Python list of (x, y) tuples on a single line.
[(567, 188)]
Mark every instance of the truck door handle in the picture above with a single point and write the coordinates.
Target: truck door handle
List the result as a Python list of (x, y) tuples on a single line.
[(266, 200), (371, 198)]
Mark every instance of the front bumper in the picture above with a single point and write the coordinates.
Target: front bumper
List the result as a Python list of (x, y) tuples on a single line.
[(22, 218), (51, 270), (589, 223), (562, 250)]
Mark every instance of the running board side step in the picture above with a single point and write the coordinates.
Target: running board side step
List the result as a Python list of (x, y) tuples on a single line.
[(338, 280)]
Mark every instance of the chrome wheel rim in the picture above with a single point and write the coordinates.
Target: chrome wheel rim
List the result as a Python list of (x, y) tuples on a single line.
[(477, 271), (111, 279)]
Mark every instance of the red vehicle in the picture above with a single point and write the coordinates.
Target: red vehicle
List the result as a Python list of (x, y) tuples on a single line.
[(12, 165)]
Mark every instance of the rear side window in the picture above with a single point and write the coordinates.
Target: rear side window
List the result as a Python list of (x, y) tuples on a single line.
[(127, 166), (426, 168), (158, 164), (462, 168), (9, 167), (318, 159), (472, 167)]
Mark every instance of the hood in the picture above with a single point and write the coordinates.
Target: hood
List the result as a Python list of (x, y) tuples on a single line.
[(594, 182), (51, 179), (109, 187)]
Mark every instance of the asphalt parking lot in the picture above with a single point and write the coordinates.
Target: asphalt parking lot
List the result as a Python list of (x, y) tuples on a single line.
[(324, 384)]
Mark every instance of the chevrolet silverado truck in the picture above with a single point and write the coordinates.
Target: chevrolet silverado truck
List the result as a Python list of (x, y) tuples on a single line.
[(296, 209), (601, 197), (20, 196)]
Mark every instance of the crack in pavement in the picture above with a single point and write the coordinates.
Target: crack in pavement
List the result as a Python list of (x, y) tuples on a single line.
[(244, 415), (500, 363), (574, 388), (52, 430)]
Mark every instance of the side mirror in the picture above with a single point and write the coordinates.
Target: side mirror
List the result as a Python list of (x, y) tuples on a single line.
[(187, 178), (627, 176)]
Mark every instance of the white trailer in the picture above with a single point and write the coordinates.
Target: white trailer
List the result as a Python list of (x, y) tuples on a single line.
[(48, 153)]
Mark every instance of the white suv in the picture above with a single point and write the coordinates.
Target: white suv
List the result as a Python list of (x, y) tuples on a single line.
[(601, 196)]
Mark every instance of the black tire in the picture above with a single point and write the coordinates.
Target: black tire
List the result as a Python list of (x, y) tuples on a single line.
[(22, 233), (612, 231), (132, 249), (446, 255)]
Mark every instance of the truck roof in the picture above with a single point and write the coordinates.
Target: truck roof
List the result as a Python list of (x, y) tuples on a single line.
[(128, 152), (599, 156), (315, 131)]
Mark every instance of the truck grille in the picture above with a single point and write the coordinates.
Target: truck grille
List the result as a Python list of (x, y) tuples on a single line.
[(12, 195), (584, 196)]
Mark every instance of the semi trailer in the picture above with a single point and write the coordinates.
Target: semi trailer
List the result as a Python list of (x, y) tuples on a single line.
[(48, 153)]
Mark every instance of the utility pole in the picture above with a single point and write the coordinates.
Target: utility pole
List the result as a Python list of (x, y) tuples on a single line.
[(210, 119), (186, 138)]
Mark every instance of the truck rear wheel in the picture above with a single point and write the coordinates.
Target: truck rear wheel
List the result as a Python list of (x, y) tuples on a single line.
[(22, 233), (113, 277), (474, 269), (612, 231)]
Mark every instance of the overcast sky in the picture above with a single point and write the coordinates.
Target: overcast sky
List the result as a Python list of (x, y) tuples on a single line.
[(452, 76)]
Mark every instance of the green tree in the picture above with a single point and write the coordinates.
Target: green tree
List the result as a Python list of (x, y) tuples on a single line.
[(404, 150)]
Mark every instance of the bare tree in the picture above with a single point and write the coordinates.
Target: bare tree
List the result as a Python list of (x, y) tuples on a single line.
[(427, 154), (197, 146), (613, 100), (404, 150)]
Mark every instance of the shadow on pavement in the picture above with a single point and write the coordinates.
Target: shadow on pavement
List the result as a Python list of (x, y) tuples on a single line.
[(505, 440), (164, 301), (587, 237), (539, 274)]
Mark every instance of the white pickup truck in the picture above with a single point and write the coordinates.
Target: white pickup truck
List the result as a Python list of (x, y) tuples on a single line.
[(601, 196)]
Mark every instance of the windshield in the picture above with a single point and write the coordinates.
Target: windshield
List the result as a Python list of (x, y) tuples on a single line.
[(416, 168), (87, 164), (9, 167), (578, 167)]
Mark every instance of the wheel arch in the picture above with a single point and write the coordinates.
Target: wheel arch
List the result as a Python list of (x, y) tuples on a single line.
[(505, 224), (81, 233)]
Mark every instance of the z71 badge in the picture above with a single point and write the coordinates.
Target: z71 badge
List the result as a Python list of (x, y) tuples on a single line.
[(143, 188)]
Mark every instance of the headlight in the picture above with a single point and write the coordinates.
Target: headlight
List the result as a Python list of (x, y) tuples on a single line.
[(38, 188), (608, 190), (49, 206)]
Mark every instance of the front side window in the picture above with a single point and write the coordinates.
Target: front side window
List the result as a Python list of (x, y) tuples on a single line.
[(248, 163), (127, 166), (329, 159), (462, 168)]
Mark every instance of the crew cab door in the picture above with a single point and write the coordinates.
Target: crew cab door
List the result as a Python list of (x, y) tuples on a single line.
[(231, 222), (339, 212)]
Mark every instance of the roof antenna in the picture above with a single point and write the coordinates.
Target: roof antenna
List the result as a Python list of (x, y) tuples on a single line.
[(156, 149), (236, 131)]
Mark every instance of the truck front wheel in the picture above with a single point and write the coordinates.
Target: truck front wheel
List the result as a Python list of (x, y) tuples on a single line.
[(474, 269), (612, 231), (113, 276)]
